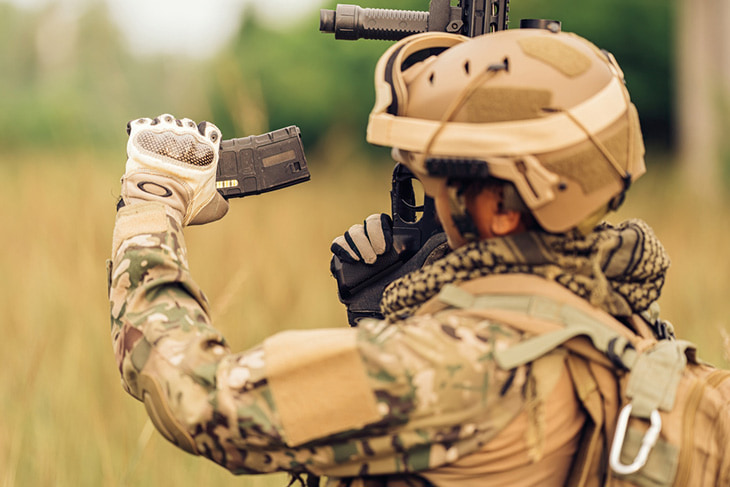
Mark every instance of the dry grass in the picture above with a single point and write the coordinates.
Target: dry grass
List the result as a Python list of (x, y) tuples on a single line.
[(64, 419)]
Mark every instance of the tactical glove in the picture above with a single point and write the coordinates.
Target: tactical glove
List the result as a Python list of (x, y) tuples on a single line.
[(174, 162), (365, 242)]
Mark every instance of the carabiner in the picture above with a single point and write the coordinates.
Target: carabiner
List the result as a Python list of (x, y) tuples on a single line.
[(647, 443)]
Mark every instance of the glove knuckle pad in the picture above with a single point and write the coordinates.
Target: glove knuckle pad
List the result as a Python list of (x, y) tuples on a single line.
[(184, 148)]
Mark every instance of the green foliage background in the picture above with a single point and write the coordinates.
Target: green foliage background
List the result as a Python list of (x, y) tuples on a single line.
[(269, 77), (315, 89)]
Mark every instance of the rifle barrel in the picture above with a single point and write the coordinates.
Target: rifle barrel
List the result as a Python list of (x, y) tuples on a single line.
[(351, 22)]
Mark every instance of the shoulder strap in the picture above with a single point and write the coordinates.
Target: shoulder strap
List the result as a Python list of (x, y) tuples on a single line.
[(554, 316)]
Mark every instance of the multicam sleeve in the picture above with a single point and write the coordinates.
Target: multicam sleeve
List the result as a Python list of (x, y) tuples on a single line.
[(340, 402)]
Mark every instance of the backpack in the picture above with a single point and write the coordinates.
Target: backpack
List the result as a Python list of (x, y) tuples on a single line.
[(657, 415)]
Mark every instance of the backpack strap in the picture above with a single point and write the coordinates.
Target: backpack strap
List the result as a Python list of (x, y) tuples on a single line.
[(656, 366), (572, 322)]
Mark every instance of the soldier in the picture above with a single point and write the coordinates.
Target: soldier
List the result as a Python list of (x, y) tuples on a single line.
[(525, 139)]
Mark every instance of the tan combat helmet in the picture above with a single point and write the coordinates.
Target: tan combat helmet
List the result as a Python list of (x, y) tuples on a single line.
[(546, 111)]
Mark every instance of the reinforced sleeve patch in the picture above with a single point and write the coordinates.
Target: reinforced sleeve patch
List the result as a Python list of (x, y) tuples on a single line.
[(138, 219), (319, 383)]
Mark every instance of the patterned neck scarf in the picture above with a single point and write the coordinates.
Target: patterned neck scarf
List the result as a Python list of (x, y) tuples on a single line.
[(619, 269)]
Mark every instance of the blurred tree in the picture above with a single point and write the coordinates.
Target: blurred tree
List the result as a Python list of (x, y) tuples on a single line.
[(269, 78), (67, 81), (704, 93)]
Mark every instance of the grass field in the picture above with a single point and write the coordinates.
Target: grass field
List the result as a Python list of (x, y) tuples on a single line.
[(64, 419)]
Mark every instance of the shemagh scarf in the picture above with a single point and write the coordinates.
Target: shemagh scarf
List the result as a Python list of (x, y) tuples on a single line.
[(620, 269)]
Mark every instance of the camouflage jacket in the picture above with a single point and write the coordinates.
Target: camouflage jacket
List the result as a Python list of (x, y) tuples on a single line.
[(386, 398), (379, 399)]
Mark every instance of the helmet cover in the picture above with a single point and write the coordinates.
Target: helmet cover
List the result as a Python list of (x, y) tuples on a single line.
[(546, 111)]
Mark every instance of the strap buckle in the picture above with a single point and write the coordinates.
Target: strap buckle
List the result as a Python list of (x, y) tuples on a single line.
[(647, 443)]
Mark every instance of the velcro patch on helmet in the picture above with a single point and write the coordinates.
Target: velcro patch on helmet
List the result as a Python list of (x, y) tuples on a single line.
[(557, 54), (504, 104), (587, 165)]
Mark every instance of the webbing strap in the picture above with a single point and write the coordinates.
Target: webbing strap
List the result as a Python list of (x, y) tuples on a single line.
[(655, 377), (656, 372), (574, 321)]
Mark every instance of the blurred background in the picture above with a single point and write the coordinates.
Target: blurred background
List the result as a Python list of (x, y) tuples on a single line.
[(73, 72)]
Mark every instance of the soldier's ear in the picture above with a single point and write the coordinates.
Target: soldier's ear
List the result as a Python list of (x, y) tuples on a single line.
[(506, 222), (488, 211)]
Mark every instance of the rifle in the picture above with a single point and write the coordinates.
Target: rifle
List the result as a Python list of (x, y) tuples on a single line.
[(275, 160), (469, 17), (360, 286)]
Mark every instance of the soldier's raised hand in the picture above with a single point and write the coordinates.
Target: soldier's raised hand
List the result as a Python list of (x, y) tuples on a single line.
[(174, 161)]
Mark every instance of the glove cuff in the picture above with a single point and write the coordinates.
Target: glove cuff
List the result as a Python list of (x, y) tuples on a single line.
[(216, 209)]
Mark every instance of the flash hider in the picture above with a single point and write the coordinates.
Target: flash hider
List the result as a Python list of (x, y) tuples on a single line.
[(467, 17)]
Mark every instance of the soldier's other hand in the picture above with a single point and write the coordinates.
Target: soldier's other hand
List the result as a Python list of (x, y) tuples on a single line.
[(174, 161), (365, 242)]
